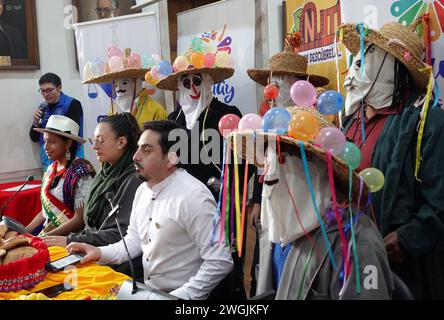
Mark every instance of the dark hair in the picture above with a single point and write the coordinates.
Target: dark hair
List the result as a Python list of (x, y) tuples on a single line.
[(402, 82), (50, 78), (162, 127), (72, 151), (125, 125)]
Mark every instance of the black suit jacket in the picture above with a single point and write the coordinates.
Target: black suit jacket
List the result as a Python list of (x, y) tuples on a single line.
[(11, 42)]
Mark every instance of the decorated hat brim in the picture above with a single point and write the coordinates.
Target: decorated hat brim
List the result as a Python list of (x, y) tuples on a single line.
[(134, 73)]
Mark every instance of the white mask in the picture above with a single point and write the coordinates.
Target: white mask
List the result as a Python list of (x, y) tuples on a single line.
[(377, 89), (278, 215), (285, 83), (195, 95), (124, 90)]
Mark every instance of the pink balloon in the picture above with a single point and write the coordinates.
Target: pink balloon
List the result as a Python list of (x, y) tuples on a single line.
[(134, 60), (115, 64), (331, 139), (303, 93), (114, 52), (249, 122), (209, 60), (228, 123), (155, 73)]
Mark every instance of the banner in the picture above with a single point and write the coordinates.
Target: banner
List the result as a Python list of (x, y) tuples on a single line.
[(230, 26), (317, 22), (137, 32)]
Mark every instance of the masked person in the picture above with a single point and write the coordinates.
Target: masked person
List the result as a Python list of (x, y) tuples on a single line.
[(198, 115), (283, 70), (405, 142), (131, 95), (298, 215)]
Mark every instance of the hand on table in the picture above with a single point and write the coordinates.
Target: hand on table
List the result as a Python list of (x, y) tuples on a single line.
[(91, 253), (394, 251), (55, 241)]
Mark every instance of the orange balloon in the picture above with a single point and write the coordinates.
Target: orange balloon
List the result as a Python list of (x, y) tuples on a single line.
[(330, 117), (197, 59), (304, 126)]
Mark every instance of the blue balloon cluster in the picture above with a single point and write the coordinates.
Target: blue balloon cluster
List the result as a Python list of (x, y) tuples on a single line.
[(277, 119), (330, 102), (165, 68)]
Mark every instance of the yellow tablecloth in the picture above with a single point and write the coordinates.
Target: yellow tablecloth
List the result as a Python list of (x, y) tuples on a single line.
[(92, 281)]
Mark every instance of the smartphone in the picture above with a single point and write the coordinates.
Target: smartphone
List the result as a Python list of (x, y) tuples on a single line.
[(54, 291), (60, 264)]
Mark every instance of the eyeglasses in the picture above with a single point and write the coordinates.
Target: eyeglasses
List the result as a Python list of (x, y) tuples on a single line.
[(197, 81), (47, 91), (98, 140)]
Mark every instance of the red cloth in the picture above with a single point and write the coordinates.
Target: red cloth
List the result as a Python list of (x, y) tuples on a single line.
[(26, 204), (373, 128)]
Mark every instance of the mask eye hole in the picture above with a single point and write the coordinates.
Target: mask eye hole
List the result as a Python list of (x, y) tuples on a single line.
[(197, 81), (358, 63), (186, 83)]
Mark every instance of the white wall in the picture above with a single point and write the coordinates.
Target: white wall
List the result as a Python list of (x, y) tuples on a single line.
[(18, 90)]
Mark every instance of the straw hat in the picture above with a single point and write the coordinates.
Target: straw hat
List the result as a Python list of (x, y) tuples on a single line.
[(218, 75), (286, 63), (340, 168), (400, 41), (126, 73), (62, 126)]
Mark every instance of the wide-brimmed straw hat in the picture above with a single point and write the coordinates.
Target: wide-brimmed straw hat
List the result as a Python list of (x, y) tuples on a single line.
[(130, 73), (286, 63), (400, 41), (62, 126), (261, 140), (216, 73)]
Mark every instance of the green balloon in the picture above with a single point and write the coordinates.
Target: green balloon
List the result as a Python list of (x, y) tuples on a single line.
[(373, 178), (351, 155), (196, 44)]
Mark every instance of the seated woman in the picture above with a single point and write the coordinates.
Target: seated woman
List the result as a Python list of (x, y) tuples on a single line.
[(115, 142), (66, 181)]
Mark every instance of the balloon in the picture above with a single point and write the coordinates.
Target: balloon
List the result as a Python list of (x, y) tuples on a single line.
[(197, 60), (181, 63), (331, 139), (304, 126), (156, 59), (222, 59), (208, 48), (87, 71), (114, 52), (276, 119), (330, 102), (196, 44), (303, 93), (115, 64), (271, 92), (228, 123), (97, 67), (155, 74), (147, 61), (209, 60), (351, 155), (165, 68), (373, 178), (250, 121), (149, 78), (264, 107), (134, 61)]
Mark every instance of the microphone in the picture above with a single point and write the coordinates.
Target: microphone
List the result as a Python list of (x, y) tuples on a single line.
[(13, 224), (115, 209)]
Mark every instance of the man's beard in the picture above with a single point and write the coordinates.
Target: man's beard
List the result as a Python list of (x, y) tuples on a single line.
[(139, 175)]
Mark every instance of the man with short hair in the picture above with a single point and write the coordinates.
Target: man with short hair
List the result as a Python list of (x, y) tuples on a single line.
[(56, 103), (11, 41), (107, 9), (172, 230)]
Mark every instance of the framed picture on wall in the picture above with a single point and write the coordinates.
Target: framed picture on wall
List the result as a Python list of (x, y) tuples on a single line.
[(19, 48)]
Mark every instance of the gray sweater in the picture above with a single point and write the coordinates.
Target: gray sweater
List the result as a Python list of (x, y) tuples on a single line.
[(106, 231)]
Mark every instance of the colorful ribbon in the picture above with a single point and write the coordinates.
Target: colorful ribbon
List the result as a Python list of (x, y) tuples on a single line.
[(244, 203), (353, 239), (237, 202), (362, 49), (313, 199), (219, 202)]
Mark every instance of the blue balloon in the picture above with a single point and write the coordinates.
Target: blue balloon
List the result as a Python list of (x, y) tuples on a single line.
[(330, 102), (165, 68), (276, 119)]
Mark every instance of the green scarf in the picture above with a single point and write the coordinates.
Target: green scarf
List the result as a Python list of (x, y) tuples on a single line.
[(103, 182)]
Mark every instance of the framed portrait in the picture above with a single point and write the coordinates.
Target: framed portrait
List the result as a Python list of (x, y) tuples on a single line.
[(19, 47)]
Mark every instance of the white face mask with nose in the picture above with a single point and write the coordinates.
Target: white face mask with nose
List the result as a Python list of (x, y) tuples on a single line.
[(195, 95), (124, 90), (378, 85), (284, 82)]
